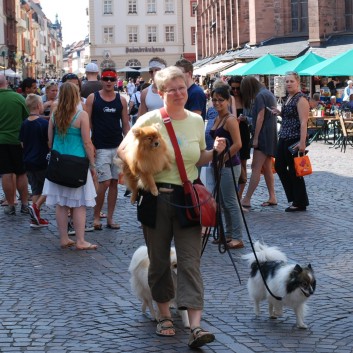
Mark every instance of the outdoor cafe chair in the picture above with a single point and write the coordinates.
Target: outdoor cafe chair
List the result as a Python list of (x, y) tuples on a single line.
[(347, 132)]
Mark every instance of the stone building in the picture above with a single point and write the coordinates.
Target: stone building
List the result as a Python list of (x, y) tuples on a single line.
[(224, 25), (131, 32)]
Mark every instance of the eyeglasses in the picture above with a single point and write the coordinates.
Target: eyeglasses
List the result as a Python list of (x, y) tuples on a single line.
[(175, 90), (214, 100), (235, 88), (111, 79), (292, 73)]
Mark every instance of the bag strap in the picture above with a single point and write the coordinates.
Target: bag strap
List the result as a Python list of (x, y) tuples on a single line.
[(178, 157)]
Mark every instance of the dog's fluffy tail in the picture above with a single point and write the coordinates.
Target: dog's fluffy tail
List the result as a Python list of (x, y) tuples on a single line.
[(265, 253), (138, 255)]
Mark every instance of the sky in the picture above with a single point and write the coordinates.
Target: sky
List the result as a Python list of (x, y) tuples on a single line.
[(72, 14)]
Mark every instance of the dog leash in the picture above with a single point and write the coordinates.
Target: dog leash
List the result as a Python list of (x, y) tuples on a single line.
[(222, 238)]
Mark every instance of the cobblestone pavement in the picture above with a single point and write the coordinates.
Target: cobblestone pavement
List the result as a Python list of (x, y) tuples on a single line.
[(55, 300)]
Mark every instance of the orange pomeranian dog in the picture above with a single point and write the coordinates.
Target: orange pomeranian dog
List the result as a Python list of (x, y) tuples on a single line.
[(146, 155)]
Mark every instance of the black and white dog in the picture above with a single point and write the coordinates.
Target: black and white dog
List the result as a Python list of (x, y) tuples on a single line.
[(293, 283)]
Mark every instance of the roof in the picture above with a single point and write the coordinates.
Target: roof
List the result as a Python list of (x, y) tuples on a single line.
[(282, 47), (334, 45)]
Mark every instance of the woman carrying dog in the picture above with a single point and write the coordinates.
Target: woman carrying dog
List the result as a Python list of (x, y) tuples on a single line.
[(295, 115), (161, 217)]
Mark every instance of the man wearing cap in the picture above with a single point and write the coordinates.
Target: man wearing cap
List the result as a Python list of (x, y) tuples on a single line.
[(196, 96), (150, 99), (92, 84), (109, 123)]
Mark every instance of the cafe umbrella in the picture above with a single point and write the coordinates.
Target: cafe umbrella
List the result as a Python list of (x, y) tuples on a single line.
[(298, 64), (339, 65), (260, 66)]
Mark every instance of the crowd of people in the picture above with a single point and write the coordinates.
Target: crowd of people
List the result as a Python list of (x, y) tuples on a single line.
[(93, 119)]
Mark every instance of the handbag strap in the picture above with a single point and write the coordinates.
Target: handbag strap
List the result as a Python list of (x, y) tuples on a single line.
[(178, 157)]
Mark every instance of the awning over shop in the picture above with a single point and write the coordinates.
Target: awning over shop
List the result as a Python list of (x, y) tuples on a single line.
[(229, 69), (339, 65), (211, 68), (260, 66)]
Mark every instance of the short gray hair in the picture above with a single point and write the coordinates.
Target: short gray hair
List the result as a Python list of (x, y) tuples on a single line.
[(168, 74)]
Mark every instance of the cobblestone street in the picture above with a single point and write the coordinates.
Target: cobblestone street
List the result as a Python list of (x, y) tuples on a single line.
[(55, 300)]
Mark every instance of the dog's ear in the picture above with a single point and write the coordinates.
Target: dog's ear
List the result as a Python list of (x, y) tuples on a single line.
[(298, 268), (136, 131)]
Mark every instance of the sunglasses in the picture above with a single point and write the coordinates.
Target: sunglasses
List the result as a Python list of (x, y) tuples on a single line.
[(111, 79), (154, 70), (235, 88), (214, 100)]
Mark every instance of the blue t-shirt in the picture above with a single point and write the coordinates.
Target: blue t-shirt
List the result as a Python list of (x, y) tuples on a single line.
[(34, 136), (196, 100)]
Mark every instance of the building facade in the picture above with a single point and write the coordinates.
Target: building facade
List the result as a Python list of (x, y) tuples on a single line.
[(131, 32), (230, 24), (30, 44)]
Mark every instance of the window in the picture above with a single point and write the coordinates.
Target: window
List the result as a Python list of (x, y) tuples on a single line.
[(133, 63), (132, 6), (193, 35), (132, 34), (169, 6), (151, 34), (151, 6), (193, 8), (107, 7), (169, 34), (299, 9), (108, 35), (349, 15)]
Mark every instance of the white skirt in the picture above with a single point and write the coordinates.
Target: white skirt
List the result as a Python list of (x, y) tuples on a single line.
[(71, 197)]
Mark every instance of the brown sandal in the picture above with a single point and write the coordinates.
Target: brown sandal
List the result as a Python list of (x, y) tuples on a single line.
[(199, 337)]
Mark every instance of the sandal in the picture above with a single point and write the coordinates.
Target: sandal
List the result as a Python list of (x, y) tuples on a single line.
[(199, 337), (68, 245), (88, 247), (98, 226), (102, 215), (161, 327), (217, 241), (113, 226)]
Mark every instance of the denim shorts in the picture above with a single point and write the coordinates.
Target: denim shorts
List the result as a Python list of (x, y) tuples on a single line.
[(105, 165)]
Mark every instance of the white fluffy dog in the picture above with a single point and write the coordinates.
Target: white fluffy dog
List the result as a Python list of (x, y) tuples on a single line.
[(293, 283), (139, 281)]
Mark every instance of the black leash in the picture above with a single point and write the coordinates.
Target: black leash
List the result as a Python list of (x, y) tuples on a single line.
[(218, 231)]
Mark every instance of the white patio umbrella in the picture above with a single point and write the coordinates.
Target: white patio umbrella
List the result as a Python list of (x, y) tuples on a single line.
[(127, 69), (11, 73)]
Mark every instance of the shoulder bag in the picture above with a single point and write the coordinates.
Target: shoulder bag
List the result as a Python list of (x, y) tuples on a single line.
[(66, 169), (200, 204)]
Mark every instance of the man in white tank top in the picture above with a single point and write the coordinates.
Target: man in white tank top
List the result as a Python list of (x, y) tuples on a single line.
[(150, 99)]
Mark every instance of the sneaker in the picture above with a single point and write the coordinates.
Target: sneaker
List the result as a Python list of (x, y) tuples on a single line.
[(42, 223), (24, 209), (34, 212), (89, 228), (10, 210), (70, 229)]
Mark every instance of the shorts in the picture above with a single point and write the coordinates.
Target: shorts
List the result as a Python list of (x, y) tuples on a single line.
[(105, 166), (36, 180), (11, 160)]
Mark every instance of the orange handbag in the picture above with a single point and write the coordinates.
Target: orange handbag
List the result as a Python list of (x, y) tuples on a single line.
[(302, 166)]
